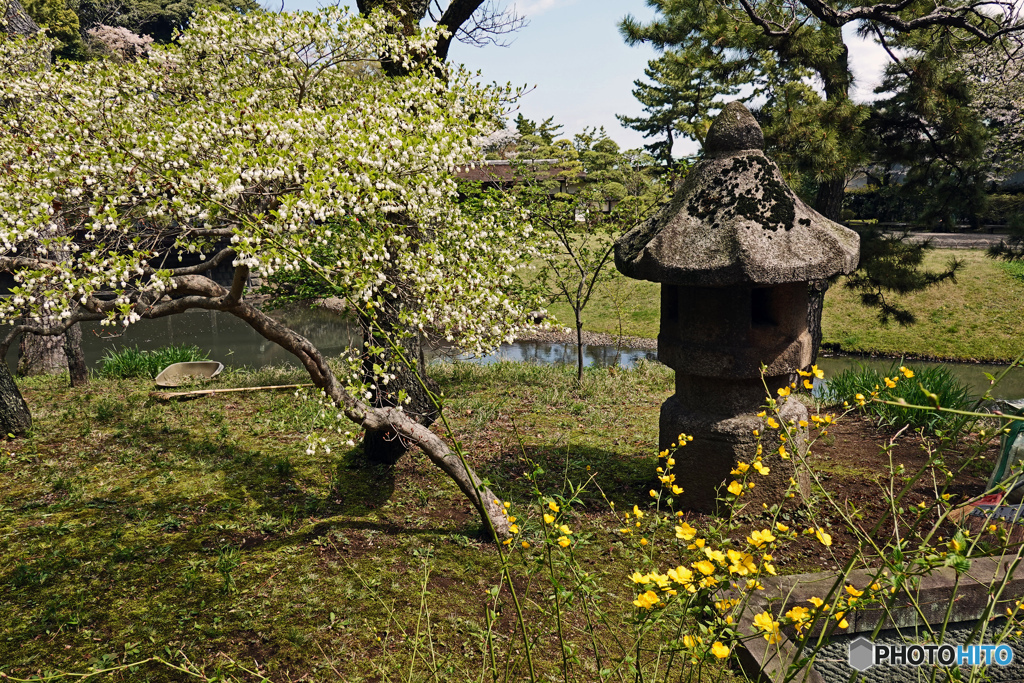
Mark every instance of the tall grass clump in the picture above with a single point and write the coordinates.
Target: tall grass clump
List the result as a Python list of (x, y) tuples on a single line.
[(914, 389), (133, 362)]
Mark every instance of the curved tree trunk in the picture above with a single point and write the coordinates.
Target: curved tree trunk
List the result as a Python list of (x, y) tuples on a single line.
[(15, 417), (386, 446)]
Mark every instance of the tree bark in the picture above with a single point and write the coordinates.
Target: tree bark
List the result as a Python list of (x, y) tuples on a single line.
[(15, 417), (41, 355), (16, 19), (386, 446), (77, 369)]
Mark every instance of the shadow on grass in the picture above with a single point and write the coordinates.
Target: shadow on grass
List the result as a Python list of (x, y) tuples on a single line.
[(624, 479)]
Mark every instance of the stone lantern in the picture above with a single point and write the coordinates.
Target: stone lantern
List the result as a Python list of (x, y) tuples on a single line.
[(734, 250)]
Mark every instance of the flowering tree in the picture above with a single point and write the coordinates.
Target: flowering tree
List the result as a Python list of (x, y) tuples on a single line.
[(264, 141), (997, 74)]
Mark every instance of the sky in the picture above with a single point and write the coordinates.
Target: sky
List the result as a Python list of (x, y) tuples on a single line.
[(581, 72)]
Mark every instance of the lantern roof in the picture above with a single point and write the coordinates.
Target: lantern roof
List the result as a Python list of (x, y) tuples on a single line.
[(734, 221)]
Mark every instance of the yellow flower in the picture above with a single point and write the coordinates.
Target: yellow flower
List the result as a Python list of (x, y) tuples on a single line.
[(784, 391), (741, 467), (820, 374), (798, 614), (525, 544), (646, 600), (772, 423), (697, 543), (842, 621), (715, 555), (654, 494), (638, 512), (704, 567), (639, 578), (513, 528), (781, 527), (853, 591), (808, 384), (907, 372), (891, 383), (691, 641), (553, 506), (563, 541), (643, 541), (859, 398), (685, 532), (680, 575), (670, 462), (817, 602), (741, 563), (783, 453), (566, 531), (760, 538), (763, 622), (548, 519), (761, 469), (823, 537), (719, 650), (677, 489), (735, 488)]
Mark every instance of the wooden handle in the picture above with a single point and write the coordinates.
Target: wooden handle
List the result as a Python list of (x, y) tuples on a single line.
[(175, 395)]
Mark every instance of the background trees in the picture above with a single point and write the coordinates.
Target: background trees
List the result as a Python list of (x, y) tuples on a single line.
[(269, 131)]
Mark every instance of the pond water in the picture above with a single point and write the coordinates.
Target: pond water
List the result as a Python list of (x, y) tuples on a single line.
[(229, 340)]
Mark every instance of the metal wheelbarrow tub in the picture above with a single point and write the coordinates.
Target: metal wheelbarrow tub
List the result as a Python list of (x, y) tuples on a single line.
[(180, 373)]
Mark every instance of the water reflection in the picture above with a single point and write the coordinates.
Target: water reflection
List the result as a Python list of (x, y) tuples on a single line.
[(229, 340)]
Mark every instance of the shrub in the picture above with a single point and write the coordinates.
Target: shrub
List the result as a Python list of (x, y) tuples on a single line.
[(133, 362), (937, 380)]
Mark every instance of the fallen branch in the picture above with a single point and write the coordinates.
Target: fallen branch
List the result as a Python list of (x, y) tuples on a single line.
[(177, 395)]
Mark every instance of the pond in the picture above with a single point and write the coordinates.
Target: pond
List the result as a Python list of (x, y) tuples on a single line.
[(229, 340)]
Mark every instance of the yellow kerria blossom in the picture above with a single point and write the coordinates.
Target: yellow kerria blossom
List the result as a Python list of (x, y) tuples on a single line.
[(823, 537), (513, 528), (760, 538), (719, 650), (553, 506), (891, 383), (525, 544), (638, 577), (907, 372), (680, 575), (761, 469), (784, 391), (692, 642), (772, 423), (740, 468), (646, 600), (685, 532), (781, 527), (565, 530), (638, 512), (820, 374), (859, 398), (735, 488), (704, 567), (677, 489), (670, 462), (808, 384), (783, 453), (817, 602), (563, 541), (715, 555), (853, 591), (697, 543), (741, 563), (548, 519), (763, 622)]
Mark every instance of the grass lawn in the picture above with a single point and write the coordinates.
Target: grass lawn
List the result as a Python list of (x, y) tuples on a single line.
[(203, 533), (980, 317)]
